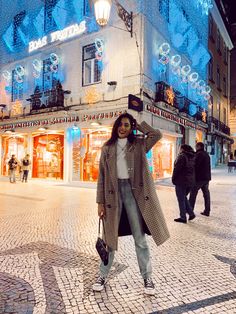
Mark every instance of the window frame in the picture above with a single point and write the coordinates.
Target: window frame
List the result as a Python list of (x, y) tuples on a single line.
[(20, 94), (93, 67)]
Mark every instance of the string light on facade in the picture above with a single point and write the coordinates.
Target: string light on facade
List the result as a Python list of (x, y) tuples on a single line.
[(205, 5)]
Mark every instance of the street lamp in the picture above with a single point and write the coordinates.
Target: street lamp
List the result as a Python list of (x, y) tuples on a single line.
[(102, 10)]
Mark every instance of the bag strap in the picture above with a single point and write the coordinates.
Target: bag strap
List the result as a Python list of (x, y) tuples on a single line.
[(99, 228)]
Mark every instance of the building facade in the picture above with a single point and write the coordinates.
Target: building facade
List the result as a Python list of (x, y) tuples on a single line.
[(64, 80), (219, 137)]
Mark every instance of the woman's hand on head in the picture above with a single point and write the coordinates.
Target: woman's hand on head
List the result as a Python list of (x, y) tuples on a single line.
[(101, 211)]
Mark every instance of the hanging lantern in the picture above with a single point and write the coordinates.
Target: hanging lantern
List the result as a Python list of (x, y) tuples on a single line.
[(102, 10)]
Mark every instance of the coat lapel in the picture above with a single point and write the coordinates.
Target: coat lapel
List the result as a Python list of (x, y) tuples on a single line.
[(111, 162)]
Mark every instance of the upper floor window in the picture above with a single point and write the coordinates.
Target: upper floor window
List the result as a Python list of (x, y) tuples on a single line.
[(225, 116), (17, 21), (210, 26), (49, 22), (225, 86), (218, 43), (164, 7), (210, 69), (17, 86), (225, 54), (49, 74), (218, 77), (91, 70)]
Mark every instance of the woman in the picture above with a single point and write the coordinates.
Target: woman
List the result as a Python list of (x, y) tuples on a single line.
[(126, 195), (184, 179)]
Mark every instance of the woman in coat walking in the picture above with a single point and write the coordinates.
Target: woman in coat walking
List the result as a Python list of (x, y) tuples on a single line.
[(126, 195)]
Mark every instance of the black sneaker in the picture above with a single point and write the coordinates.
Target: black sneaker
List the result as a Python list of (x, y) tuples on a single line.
[(191, 217), (184, 221), (149, 287), (99, 284), (205, 214)]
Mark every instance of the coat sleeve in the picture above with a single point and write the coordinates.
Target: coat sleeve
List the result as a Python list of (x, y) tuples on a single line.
[(152, 135), (100, 183)]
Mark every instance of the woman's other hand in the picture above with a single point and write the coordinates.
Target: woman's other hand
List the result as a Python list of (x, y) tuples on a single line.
[(101, 211)]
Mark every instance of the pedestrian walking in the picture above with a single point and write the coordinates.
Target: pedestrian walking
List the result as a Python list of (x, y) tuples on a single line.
[(126, 195), (12, 163), (26, 162), (183, 178), (203, 177)]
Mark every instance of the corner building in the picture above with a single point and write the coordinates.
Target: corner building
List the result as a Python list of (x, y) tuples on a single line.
[(64, 80)]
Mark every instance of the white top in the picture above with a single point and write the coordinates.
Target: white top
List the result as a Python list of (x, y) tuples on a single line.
[(122, 168)]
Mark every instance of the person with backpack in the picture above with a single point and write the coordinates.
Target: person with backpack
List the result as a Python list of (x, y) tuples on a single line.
[(26, 167), (12, 163), (184, 179)]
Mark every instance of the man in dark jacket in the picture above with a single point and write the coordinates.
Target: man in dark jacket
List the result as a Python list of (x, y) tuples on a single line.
[(203, 176), (184, 179)]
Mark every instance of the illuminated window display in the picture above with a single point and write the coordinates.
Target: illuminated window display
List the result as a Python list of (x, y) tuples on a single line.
[(162, 157), (48, 156), (13, 144), (86, 153), (199, 136)]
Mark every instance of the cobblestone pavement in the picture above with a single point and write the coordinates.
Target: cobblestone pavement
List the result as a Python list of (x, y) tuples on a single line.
[(48, 261)]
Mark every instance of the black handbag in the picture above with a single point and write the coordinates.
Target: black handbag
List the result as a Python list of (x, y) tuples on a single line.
[(101, 246)]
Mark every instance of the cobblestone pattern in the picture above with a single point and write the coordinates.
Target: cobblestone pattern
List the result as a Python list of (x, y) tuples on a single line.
[(48, 260)]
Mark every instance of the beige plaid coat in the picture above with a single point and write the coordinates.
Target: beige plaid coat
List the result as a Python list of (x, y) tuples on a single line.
[(141, 182)]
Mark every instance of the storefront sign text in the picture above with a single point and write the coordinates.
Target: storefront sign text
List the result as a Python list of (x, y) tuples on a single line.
[(68, 32), (170, 116), (51, 121)]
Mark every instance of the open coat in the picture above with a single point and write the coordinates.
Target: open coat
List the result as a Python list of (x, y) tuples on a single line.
[(141, 182)]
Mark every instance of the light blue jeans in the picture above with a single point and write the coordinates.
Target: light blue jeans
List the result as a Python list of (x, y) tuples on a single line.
[(12, 176), (135, 220)]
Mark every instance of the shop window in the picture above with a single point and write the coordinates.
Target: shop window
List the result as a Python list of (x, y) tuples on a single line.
[(49, 22), (162, 157), (86, 153), (16, 145), (91, 70), (17, 86), (17, 21), (164, 7), (49, 75), (48, 156)]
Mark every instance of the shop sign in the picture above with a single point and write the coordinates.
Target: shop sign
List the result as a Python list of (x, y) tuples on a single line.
[(135, 103), (68, 32), (38, 123), (102, 116), (51, 121), (170, 116)]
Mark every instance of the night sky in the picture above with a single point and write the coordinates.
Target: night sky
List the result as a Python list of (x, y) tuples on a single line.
[(230, 6)]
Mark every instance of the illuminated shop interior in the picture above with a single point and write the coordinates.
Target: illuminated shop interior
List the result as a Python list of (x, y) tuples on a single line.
[(13, 144), (48, 151)]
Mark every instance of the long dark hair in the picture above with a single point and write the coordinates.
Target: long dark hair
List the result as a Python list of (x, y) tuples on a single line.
[(114, 133)]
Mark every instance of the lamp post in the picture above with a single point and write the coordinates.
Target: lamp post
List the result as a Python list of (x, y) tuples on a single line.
[(102, 10)]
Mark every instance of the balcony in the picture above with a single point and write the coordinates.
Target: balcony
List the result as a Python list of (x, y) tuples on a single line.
[(177, 100), (50, 100), (219, 126)]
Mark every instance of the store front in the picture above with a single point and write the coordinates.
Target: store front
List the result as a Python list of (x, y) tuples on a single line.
[(48, 155), (13, 144), (86, 151), (162, 157)]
